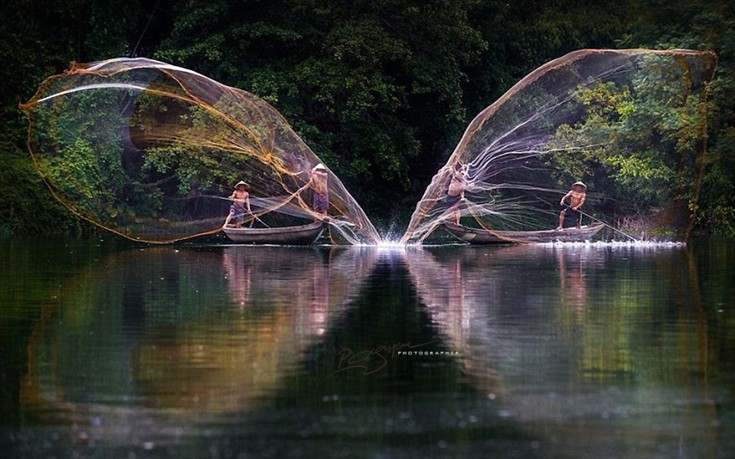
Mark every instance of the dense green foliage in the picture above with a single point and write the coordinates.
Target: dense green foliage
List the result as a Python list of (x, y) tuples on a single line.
[(701, 24), (381, 90), (646, 142)]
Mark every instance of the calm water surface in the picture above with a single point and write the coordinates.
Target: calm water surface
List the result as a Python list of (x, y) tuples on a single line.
[(194, 351)]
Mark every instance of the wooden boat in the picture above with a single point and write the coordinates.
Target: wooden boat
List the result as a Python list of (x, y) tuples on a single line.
[(483, 236), (285, 235)]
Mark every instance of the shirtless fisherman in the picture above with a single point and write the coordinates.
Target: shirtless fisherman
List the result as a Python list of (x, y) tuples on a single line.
[(240, 207), (455, 191), (577, 196)]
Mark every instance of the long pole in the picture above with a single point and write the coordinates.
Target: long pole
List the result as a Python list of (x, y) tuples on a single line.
[(604, 223), (255, 217)]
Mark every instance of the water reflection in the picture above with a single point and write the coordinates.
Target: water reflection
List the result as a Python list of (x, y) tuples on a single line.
[(183, 334), (553, 351), (572, 280), (487, 301), (612, 343)]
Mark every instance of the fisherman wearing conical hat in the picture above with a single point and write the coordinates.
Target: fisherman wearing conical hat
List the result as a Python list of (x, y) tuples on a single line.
[(577, 196), (240, 207), (319, 184)]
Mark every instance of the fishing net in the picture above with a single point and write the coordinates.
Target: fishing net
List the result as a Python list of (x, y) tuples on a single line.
[(153, 152), (630, 124)]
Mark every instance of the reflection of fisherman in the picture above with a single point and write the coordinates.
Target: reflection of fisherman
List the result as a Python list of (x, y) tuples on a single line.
[(577, 196), (240, 207), (455, 191), (319, 308), (239, 275), (573, 283), (318, 182)]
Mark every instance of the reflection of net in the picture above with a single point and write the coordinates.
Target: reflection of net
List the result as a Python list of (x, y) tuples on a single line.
[(194, 360), (594, 115), (152, 151)]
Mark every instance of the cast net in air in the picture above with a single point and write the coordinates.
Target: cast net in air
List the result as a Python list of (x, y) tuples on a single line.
[(153, 151), (630, 124)]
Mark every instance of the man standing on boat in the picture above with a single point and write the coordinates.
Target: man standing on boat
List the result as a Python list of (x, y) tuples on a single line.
[(319, 184), (577, 195), (240, 204), (455, 191)]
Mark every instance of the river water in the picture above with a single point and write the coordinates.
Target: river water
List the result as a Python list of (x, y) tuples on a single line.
[(202, 350)]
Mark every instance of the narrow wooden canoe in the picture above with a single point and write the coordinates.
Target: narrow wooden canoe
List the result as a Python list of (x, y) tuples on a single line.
[(285, 235), (482, 236)]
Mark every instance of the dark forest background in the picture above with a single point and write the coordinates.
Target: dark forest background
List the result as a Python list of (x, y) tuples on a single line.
[(381, 90)]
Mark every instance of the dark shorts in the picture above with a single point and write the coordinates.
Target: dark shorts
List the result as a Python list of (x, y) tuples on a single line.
[(238, 213), (321, 202), (450, 201), (571, 213)]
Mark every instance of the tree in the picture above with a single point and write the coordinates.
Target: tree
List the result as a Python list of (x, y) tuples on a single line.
[(40, 39), (705, 25), (371, 86), (641, 142)]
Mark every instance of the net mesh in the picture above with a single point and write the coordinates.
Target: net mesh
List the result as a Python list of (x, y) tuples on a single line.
[(630, 123), (153, 151)]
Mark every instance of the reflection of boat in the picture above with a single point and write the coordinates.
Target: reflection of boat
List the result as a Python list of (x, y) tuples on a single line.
[(286, 235), (483, 236), (166, 349)]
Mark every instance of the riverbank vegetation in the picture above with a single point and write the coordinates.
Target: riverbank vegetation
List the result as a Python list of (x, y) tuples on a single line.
[(380, 90)]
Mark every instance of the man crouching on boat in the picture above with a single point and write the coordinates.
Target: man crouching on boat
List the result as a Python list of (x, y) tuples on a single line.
[(577, 196), (240, 207)]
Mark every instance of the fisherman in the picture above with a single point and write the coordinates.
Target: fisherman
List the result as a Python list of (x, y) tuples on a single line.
[(319, 184), (577, 195), (455, 191), (240, 206)]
